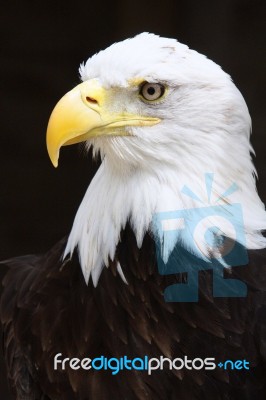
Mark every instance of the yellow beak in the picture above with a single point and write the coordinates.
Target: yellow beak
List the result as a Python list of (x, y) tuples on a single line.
[(83, 114)]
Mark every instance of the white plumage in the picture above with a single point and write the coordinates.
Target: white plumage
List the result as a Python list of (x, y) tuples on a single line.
[(205, 128)]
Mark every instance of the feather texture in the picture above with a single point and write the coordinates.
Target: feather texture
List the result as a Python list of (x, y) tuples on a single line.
[(47, 308)]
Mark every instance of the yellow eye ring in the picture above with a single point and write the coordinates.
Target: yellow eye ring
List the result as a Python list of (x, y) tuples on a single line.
[(151, 91)]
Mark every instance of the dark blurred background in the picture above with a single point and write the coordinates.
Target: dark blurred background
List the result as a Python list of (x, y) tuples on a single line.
[(42, 45)]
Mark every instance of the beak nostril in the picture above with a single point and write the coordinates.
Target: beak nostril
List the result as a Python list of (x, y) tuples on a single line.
[(91, 100)]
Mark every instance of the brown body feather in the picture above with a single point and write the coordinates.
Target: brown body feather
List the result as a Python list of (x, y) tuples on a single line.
[(46, 308)]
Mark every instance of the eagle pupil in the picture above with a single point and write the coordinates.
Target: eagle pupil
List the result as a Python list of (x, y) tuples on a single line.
[(151, 91)]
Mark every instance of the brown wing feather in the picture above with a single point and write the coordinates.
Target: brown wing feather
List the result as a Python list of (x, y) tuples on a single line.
[(47, 308)]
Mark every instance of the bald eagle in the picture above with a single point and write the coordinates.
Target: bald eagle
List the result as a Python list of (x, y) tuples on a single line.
[(117, 291)]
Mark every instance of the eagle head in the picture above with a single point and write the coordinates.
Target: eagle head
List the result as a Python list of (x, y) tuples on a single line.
[(161, 116)]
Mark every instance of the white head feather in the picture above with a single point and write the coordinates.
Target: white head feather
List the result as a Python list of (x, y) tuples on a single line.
[(205, 128)]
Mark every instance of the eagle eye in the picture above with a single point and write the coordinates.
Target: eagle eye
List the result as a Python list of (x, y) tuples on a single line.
[(151, 91)]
